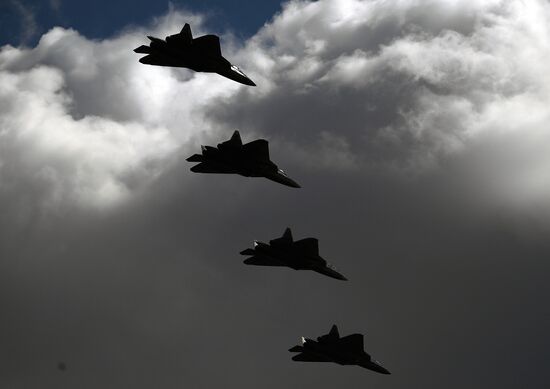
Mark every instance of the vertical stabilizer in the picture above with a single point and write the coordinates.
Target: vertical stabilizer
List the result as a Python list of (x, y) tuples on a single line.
[(236, 138), (334, 332), (287, 236), (186, 34)]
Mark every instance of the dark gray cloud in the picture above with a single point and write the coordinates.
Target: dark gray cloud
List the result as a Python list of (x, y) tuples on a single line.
[(420, 143)]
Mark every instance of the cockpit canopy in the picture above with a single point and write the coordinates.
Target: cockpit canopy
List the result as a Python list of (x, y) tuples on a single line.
[(236, 69)]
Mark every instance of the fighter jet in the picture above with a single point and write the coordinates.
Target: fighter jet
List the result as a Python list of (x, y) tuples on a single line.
[(202, 54), (332, 348), (284, 251), (232, 157)]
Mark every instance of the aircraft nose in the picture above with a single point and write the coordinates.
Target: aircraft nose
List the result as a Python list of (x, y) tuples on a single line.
[(248, 81), (379, 368), (282, 178), (238, 75), (290, 182)]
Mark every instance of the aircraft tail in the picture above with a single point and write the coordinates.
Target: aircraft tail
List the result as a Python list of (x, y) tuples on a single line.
[(186, 33), (284, 240), (154, 39), (143, 49), (236, 137), (287, 234), (195, 158)]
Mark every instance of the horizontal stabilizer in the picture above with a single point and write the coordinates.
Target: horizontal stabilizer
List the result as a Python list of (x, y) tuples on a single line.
[(153, 39), (248, 252), (195, 158), (143, 49), (296, 349)]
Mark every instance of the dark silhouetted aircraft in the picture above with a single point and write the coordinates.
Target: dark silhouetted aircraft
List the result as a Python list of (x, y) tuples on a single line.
[(202, 54), (284, 251), (232, 157), (347, 350)]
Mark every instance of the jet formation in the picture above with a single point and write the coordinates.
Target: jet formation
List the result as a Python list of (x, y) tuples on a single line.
[(202, 54), (232, 157), (302, 254), (347, 350)]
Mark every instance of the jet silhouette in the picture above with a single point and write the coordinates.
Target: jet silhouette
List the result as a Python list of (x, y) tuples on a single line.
[(202, 54), (284, 251), (232, 157), (347, 350)]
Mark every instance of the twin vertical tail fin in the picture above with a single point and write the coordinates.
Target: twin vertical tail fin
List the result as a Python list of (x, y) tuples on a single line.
[(283, 241), (186, 34), (287, 235), (334, 332), (236, 138)]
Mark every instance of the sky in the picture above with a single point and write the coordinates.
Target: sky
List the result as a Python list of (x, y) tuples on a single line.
[(24, 21), (418, 130)]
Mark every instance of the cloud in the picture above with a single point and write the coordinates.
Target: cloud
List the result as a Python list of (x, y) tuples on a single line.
[(86, 122), (370, 84), (420, 140), (408, 92)]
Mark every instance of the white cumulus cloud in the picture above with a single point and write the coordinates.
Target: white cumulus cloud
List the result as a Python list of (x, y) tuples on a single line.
[(362, 85)]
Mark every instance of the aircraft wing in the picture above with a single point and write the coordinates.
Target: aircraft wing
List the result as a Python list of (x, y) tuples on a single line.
[(209, 44), (307, 246), (258, 150), (353, 342), (307, 357)]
